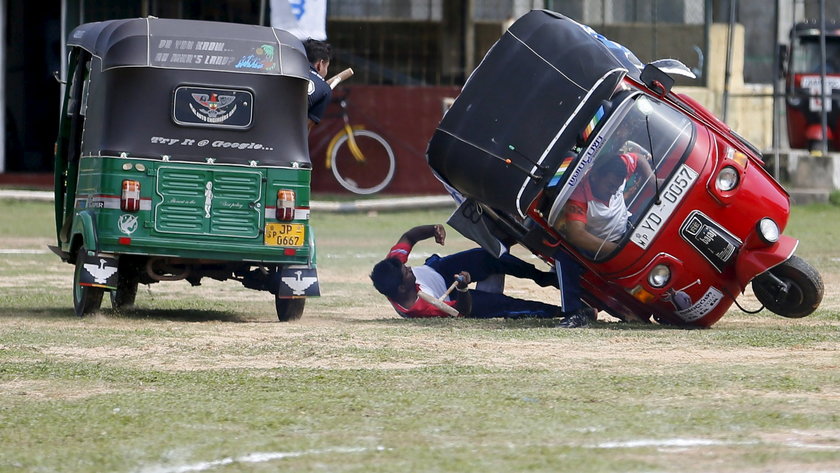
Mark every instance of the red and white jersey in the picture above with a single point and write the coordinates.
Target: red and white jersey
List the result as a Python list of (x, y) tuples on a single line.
[(604, 219), (428, 281)]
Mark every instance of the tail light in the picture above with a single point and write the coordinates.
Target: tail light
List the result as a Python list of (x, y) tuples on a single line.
[(285, 205), (130, 197)]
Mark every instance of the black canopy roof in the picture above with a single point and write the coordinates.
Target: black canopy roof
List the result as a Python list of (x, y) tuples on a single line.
[(812, 28), (192, 44), (195, 91), (522, 110)]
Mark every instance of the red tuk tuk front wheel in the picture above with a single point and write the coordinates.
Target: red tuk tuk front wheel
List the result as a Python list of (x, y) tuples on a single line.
[(792, 289), (289, 309), (86, 299)]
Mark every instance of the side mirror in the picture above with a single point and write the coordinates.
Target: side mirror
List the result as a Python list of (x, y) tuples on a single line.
[(656, 80)]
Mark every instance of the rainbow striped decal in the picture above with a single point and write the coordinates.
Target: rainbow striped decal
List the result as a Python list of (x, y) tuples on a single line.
[(560, 171), (586, 132), (593, 123)]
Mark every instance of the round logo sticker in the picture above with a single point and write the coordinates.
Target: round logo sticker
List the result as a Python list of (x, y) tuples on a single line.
[(127, 223)]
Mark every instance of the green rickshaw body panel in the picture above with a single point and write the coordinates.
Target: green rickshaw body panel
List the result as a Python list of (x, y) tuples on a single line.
[(179, 139), (191, 210)]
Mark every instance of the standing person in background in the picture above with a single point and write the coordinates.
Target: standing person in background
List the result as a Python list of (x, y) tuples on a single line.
[(319, 54)]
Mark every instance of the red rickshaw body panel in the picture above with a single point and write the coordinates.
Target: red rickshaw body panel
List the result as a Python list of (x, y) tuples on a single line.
[(698, 294), (689, 239)]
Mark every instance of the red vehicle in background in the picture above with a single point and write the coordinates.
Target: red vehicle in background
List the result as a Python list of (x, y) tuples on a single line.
[(550, 104), (802, 61)]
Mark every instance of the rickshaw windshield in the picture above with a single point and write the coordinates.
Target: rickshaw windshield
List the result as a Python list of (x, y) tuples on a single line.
[(806, 55), (620, 173)]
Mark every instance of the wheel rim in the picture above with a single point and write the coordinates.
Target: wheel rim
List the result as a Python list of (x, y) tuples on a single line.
[(358, 177), (794, 296), (804, 293)]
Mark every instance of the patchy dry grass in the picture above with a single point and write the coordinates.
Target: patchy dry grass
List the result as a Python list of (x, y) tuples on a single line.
[(205, 379)]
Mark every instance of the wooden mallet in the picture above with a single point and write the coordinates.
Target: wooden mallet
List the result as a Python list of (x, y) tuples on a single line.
[(439, 301), (338, 78)]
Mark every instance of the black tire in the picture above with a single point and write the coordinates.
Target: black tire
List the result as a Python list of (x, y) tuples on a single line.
[(289, 309), (803, 297), (86, 299), (123, 296)]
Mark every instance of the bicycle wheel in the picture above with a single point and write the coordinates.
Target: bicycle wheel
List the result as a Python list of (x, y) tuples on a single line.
[(370, 175)]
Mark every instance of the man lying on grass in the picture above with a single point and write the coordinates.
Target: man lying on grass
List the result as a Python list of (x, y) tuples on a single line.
[(421, 291)]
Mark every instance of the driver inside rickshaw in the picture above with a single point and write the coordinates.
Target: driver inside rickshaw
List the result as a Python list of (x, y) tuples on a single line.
[(595, 217)]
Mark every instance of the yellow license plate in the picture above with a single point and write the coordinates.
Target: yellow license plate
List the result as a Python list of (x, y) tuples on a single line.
[(284, 234)]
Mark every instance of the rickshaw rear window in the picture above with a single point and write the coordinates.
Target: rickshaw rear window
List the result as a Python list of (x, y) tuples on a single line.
[(612, 182), (806, 55)]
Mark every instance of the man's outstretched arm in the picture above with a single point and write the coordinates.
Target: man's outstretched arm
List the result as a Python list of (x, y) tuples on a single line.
[(424, 232)]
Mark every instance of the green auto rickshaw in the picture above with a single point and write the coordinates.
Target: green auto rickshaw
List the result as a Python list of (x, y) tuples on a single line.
[(182, 154)]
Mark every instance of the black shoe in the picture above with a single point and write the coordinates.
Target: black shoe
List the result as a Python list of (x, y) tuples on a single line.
[(579, 318)]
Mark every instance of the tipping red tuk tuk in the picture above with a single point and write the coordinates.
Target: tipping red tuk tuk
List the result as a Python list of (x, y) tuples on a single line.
[(552, 101)]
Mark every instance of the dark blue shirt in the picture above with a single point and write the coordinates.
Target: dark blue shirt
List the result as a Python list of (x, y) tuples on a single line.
[(319, 95)]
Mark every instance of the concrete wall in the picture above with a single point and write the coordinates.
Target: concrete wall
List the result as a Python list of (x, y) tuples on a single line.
[(750, 108)]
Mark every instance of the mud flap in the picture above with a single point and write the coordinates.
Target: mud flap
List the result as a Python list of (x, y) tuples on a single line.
[(469, 220), (99, 271), (751, 263), (298, 281)]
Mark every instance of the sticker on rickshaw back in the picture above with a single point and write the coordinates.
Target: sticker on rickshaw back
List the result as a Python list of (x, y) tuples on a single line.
[(210, 107), (216, 55)]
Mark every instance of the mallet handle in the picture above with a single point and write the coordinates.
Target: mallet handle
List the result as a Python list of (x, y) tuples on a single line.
[(449, 291), (438, 303), (341, 76)]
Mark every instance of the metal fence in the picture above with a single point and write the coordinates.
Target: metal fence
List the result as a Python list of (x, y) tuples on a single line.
[(438, 42)]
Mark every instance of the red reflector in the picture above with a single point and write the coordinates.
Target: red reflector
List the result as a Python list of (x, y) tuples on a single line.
[(289, 252), (285, 205), (130, 197), (124, 241)]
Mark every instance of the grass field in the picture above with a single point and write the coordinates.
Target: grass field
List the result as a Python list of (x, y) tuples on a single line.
[(206, 379)]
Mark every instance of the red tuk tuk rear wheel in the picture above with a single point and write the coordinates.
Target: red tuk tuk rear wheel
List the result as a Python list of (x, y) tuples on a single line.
[(86, 299), (289, 309), (804, 288)]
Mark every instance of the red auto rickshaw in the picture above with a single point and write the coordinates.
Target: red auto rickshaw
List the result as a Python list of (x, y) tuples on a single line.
[(803, 66), (549, 103)]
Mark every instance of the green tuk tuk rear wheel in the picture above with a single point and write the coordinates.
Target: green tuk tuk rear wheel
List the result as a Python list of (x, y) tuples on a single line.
[(127, 281), (289, 309), (86, 299)]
